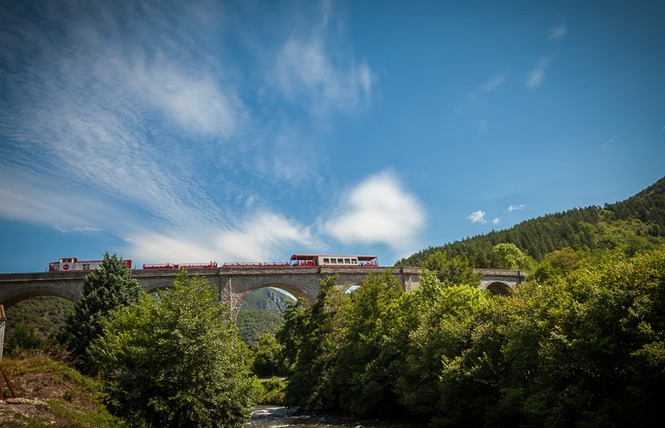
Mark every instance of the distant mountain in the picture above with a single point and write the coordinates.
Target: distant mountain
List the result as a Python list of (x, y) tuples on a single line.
[(267, 299), (262, 312), (638, 223)]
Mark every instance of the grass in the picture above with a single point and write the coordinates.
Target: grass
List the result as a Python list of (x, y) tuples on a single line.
[(59, 396)]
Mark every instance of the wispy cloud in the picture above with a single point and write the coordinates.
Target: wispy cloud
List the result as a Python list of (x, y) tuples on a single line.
[(537, 74), (518, 207), (263, 236), (304, 70), (477, 95), (477, 217), (607, 145), (378, 210), (139, 118), (489, 86), (496, 220), (558, 31)]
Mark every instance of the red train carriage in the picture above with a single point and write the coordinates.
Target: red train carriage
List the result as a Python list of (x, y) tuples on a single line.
[(209, 265), (72, 263)]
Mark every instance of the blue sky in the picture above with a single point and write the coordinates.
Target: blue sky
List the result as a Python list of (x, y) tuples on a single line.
[(251, 130)]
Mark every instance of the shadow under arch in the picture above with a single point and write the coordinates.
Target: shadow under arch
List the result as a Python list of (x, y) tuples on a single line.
[(499, 288)]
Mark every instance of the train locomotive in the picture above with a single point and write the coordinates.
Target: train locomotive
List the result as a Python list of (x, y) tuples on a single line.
[(72, 263)]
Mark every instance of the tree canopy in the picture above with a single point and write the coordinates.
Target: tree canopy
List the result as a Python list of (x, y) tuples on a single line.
[(105, 289), (583, 344), (176, 360)]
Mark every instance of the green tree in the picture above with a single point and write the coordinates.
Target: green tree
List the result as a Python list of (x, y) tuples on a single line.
[(511, 257), (312, 384), (558, 263), (267, 357), (451, 271), (454, 381), (373, 341), (291, 335), (105, 289), (23, 338), (176, 360)]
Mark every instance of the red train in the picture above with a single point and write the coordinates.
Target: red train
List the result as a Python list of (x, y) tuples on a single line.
[(297, 260), (209, 265)]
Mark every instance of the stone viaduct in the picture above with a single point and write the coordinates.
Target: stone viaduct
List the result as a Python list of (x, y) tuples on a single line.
[(234, 284)]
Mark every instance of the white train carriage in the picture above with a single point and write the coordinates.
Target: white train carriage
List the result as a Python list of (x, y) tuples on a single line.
[(72, 263), (333, 260)]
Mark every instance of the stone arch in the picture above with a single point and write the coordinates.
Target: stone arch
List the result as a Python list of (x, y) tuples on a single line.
[(29, 292), (499, 288), (289, 288)]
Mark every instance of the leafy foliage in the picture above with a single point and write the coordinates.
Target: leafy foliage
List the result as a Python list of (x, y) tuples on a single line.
[(254, 323), (109, 287), (267, 357), (176, 360), (34, 323), (583, 347), (312, 384)]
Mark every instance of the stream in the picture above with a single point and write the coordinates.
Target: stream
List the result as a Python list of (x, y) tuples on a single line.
[(284, 417)]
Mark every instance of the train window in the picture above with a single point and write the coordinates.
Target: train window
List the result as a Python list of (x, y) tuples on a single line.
[(347, 261), (86, 266), (326, 260)]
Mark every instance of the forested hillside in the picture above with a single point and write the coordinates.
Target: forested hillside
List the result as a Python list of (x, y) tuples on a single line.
[(638, 223), (261, 313)]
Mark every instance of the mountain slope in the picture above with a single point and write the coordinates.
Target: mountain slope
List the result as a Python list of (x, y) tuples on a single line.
[(631, 225)]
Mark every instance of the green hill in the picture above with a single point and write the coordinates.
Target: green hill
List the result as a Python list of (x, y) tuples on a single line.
[(638, 223), (261, 313)]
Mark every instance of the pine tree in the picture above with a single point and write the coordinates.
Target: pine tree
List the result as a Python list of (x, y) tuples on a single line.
[(109, 287)]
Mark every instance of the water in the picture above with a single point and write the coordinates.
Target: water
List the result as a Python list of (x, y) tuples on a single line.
[(283, 417)]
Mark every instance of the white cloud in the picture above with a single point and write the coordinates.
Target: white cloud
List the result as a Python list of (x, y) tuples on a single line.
[(477, 217), (262, 237), (305, 71), (537, 74), (378, 210), (558, 31), (194, 100), (519, 207), (496, 220)]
